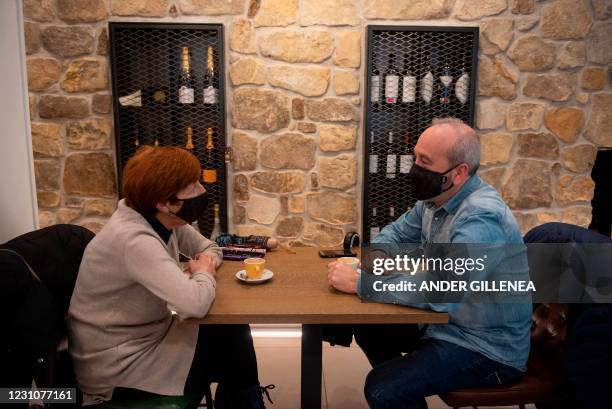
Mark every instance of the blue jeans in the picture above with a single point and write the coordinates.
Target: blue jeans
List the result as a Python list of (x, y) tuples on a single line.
[(433, 368)]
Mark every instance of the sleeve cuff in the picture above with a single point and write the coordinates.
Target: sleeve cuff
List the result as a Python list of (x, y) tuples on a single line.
[(208, 276)]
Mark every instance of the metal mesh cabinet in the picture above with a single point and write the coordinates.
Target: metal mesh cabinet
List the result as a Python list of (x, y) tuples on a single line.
[(413, 75), (146, 65)]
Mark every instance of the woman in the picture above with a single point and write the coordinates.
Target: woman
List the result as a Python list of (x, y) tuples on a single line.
[(123, 337)]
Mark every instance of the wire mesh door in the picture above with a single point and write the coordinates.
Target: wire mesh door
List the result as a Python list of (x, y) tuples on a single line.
[(413, 75), (168, 90)]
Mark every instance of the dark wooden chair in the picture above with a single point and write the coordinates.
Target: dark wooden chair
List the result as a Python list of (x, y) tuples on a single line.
[(542, 383)]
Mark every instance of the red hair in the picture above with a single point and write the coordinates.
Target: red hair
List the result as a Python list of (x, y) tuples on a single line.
[(157, 174)]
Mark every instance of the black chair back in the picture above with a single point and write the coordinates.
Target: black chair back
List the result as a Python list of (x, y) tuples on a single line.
[(38, 271)]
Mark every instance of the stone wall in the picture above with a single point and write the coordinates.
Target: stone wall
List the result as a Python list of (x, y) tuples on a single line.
[(295, 76)]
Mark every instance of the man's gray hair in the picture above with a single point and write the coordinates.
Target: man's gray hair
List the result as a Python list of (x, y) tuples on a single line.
[(467, 148)]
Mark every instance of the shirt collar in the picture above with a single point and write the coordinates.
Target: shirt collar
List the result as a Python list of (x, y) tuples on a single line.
[(453, 203), (159, 228)]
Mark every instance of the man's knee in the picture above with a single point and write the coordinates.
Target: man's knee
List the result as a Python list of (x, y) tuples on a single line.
[(382, 390), (374, 391)]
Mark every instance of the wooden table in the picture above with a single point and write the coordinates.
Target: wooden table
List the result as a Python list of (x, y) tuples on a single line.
[(299, 293)]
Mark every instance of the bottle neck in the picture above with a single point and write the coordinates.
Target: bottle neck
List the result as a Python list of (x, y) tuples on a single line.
[(209, 143), (210, 62), (185, 62), (391, 67)]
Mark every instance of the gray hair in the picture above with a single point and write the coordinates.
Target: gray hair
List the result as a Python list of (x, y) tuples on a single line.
[(467, 147)]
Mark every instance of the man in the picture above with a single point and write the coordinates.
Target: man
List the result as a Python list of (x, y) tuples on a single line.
[(483, 344)]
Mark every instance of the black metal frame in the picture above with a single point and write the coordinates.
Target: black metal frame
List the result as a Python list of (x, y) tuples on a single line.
[(206, 221), (372, 30), (311, 366)]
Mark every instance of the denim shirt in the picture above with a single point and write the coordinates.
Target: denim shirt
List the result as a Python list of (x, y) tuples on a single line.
[(475, 214)]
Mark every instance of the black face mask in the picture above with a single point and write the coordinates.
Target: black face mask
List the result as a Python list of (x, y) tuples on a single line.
[(427, 183), (193, 208)]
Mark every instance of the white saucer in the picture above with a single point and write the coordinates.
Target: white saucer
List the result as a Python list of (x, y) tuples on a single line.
[(265, 276)]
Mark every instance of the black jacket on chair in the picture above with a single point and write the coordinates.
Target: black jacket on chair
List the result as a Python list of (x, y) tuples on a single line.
[(37, 275), (587, 356)]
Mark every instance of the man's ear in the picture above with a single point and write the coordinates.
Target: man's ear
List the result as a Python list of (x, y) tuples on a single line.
[(463, 170)]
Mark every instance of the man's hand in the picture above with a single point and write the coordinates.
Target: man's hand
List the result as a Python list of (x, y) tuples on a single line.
[(203, 263), (342, 277)]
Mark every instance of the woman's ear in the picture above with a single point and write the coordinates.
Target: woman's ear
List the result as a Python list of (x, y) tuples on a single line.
[(163, 207)]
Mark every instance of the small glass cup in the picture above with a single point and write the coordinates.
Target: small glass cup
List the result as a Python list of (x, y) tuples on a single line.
[(254, 267)]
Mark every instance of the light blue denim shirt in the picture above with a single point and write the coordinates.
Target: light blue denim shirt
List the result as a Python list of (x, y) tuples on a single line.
[(475, 214)]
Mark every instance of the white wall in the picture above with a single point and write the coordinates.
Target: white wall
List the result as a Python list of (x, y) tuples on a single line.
[(18, 208)]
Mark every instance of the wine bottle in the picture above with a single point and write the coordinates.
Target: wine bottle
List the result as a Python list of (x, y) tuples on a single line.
[(136, 138), (391, 159), (373, 166), (186, 94), (406, 159), (375, 82), (158, 136), (155, 95), (160, 96), (210, 173), (408, 82), (374, 229), (211, 94), (189, 132), (216, 231), (391, 81)]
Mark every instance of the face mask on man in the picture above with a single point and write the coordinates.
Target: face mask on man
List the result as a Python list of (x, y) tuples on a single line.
[(193, 208), (427, 184)]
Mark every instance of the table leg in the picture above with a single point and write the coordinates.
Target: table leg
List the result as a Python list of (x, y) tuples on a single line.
[(312, 361)]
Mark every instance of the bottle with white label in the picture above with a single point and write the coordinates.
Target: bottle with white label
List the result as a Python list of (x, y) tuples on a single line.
[(211, 94), (186, 93), (406, 159), (216, 231), (375, 82), (392, 212), (391, 159), (391, 81), (406, 162), (374, 229), (373, 165), (408, 83)]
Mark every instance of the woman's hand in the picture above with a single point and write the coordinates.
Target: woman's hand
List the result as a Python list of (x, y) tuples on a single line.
[(342, 277), (203, 263)]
